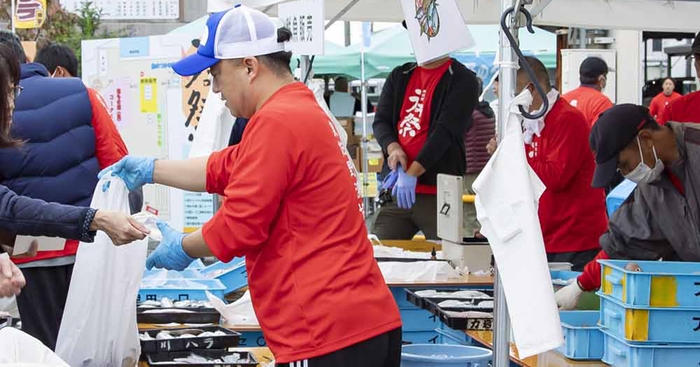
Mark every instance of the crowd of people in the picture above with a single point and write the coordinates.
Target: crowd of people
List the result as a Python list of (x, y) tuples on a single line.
[(57, 138)]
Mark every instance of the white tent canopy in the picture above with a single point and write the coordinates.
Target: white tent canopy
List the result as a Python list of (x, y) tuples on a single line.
[(647, 15)]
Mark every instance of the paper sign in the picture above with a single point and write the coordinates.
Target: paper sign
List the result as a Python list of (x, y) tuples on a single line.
[(103, 62), (199, 208), (23, 243), (305, 19), (436, 28), (195, 90), (149, 95), (30, 14)]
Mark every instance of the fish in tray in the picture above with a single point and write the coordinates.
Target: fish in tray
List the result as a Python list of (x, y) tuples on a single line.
[(473, 304), (431, 293), (166, 303), (195, 358)]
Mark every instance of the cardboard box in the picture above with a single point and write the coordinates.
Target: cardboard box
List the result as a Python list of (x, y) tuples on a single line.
[(374, 164), (349, 126)]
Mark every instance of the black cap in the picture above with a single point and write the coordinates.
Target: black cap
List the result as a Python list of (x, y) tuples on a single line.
[(593, 67), (613, 131), (695, 48)]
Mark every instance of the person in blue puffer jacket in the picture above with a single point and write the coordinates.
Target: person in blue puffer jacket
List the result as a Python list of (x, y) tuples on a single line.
[(20, 215)]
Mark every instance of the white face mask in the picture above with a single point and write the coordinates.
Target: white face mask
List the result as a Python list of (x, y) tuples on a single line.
[(643, 173)]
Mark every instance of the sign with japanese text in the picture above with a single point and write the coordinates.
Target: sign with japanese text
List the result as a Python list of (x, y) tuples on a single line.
[(305, 19), (149, 95), (436, 28), (130, 9), (30, 14), (195, 90)]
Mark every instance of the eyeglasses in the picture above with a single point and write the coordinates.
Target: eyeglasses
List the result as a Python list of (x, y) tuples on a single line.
[(17, 90)]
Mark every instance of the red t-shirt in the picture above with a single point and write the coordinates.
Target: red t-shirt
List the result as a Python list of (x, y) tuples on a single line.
[(414, 120), (589, 101), (683, 109), (292, 208), (660, 102), (572, 213)]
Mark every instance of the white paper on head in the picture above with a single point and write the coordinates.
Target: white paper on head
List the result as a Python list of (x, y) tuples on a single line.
[(436, 28), (23, 243)]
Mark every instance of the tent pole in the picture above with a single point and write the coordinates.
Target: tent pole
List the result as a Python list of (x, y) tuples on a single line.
[(365, 148), (341, 13), (12, 15), (507, 84), (304, 62)]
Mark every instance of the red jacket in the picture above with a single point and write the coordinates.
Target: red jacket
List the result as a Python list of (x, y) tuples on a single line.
[(589, 101), (572, 213), (683, 109), (109, 149), (659, 103), (292, 208)]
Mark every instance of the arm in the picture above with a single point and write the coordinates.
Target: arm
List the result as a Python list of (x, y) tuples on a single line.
[(453, 119), (195, 246), (109, 146), (568, 142), (188, 174), (589, 280), (384, 126), (26, 216), (252, 195)]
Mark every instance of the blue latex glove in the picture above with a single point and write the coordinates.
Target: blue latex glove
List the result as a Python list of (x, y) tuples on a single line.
[(135, 171), (390, 180), (405, 189), (169, 254)]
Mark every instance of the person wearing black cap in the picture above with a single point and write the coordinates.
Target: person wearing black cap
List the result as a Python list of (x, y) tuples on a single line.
[(686, 108), (661, 219), (589, 97)]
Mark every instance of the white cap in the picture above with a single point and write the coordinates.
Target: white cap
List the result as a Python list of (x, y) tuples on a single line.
[(232, 34)]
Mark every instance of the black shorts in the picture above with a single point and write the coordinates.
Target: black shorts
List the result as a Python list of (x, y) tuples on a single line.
[(381, 351)]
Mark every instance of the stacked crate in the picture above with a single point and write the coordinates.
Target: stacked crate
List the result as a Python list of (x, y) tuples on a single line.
[(650, 317)]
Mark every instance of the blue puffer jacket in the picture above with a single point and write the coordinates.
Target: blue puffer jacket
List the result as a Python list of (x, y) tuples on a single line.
[(58, 162)]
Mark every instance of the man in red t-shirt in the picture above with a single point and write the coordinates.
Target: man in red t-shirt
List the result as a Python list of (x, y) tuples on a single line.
[(589, 97), (668, 95), (572, 213), (421, 118), (291, 206), (686, 108)]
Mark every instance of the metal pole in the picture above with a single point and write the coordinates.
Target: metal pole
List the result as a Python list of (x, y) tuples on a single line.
[(365, 148), (12, 15), (507, 84), (304, 65), (582, 38)]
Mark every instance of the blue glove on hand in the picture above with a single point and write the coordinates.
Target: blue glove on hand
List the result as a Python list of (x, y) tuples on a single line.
[(390, 181), (405, 189), (169, 254), (134, 171)]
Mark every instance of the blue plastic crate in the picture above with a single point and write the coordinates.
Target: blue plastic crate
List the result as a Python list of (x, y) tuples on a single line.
[(399, 294), (451, 337), (420, 337), (583, 339), (232, 274), (659, 284), (563, 275), (419, 320), (182, 289), (641, 324), (620, 353), (618, 195)]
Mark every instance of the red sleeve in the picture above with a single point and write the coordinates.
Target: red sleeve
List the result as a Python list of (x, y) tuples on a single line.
[(109, 146), (219, 169), (567, 143), (603, 105), (654, 108), (665, 115), (590, 279), (260, 172)]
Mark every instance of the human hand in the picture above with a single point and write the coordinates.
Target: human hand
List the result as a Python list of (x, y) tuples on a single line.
[(11, 277), (568, 297), (169, 254), (396, 156), (134, 171), (119, 227), (405, 189), (390, 180), (492, 145)]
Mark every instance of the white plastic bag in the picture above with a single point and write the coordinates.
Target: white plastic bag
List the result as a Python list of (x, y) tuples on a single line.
[(20, 349), (99, 322), (237, 313)]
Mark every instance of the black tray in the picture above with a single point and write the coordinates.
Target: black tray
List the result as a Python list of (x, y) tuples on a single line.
[(166, 359), (183, 344), (422, 302), (197, 316), (464, 323)]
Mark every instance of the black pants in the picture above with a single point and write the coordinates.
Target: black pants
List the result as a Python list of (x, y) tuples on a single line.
[(578, 260), (42, 301), (394, 223), (381, 351)]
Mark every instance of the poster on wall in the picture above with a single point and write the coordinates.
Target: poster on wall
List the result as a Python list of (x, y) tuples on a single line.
[(436, 28), (29, 14)]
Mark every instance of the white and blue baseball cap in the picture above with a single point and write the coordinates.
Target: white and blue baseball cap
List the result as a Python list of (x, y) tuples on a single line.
[(236, 33)]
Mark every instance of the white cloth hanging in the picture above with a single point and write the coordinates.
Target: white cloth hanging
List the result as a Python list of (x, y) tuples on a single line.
[(535, 127), (507, 193)]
